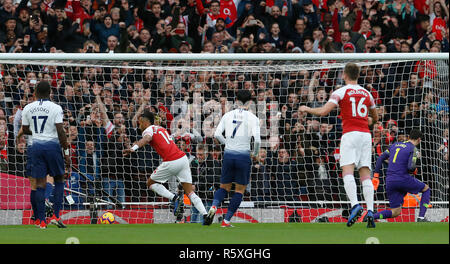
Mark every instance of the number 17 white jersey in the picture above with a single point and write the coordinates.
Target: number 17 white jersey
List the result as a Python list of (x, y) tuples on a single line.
[(41, 116), (240, 126)]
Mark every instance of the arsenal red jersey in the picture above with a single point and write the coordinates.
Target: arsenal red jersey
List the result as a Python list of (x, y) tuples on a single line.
[(163, 143), (354, 102), (228, 11)]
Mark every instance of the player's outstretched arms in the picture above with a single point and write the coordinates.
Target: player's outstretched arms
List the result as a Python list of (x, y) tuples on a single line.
[(142, 142), (256, 133), (412, 159), (376, 172), (24, 130), (219, 130), (21, 133), (374, 114), (127, 152), (63, 142), (319, 111)]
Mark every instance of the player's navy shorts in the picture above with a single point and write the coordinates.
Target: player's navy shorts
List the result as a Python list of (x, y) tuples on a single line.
[(46, 159), (396, 190), (29, 162), (236, 167)]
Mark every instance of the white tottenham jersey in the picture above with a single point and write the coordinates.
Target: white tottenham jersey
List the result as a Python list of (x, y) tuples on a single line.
[(41, 116), (240, 126)]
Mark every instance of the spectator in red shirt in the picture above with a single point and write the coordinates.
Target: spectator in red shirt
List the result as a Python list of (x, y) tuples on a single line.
[(82, 9)]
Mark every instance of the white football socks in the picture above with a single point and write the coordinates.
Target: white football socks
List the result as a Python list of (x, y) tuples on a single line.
[(368, 193), (350, 189), (197, 202), (162, 191)]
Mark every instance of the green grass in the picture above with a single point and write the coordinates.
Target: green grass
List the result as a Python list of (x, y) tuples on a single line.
[(278, 233)]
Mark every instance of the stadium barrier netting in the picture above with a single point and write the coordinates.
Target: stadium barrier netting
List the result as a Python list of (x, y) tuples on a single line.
[(295, 178)]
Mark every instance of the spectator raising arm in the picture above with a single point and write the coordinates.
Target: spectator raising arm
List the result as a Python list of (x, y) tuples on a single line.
[(200, 7), (144, 103), (313, 85), (107, 124)]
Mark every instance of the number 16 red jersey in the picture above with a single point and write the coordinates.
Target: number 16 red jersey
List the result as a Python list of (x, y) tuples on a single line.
[(354, 102), (163, 143)]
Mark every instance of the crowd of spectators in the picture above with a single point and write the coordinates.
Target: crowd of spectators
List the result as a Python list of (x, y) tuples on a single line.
[(299, 157), (299, 160)]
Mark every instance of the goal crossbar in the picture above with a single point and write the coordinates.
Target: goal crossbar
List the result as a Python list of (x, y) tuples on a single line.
[(217, 56)]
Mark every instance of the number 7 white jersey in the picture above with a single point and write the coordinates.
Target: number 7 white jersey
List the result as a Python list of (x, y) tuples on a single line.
[(41, 116), (354, 102), (240, 126)]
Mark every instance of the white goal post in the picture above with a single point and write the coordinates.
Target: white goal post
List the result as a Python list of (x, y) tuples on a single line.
[(223, 56), (295, 178)]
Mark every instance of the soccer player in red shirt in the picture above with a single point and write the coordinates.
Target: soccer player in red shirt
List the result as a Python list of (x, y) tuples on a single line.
[(355, 103), (175, 163)]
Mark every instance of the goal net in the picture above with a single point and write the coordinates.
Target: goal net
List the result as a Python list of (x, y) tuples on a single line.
[(295, 178)]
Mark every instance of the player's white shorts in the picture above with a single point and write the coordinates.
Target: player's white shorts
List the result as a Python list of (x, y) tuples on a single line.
[(168, 169), (356, 148)]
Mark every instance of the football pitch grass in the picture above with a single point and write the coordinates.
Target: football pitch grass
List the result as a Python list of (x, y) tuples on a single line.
[(242, 233)]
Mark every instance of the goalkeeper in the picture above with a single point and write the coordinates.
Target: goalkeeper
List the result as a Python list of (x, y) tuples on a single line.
[(402, 161)]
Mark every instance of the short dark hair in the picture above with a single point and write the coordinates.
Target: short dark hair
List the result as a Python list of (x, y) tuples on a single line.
[(331, 2), (244, 96), (415, 134), (308, 38), (43, 89), (404, 42), (352, 71), (346, 31), (202, 147), (155, 3), (150, 116)]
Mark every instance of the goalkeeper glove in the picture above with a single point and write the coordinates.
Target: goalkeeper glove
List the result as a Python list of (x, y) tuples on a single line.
[(413, 172), (376, 180)]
